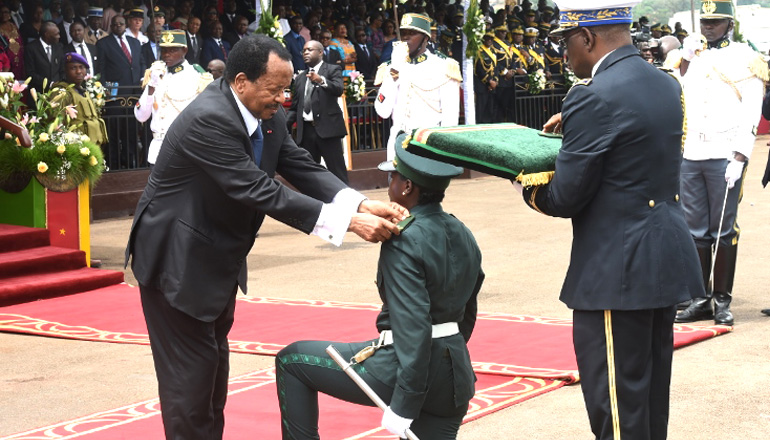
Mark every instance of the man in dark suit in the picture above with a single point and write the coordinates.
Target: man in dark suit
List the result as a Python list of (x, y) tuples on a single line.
[(633, 258), (151, 49), (240, 30), (330, 55), (78, 45), (214, 47), (314, 107), (43, 58), (212, 185), (194, 41), (366, 61), (228, 18), (119, 61), (295, 43), (119, 58)]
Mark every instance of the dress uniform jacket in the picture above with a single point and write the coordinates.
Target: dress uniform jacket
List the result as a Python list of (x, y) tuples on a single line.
[(194, 248), (430, 274), (427, 94), (619, 181), (179, 86)]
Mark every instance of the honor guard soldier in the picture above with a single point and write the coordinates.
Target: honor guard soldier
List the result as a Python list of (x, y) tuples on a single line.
[(505, 71), (428, 279), (519, 54), (417, 88), (632, 259), (536, 51), (554, 55), (169, 86), (723, 89), (486, 81)]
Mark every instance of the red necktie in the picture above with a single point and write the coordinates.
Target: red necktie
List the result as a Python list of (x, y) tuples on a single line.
[(125, 50), (224, 51)]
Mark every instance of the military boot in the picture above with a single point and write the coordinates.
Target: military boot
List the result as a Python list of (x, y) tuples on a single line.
[(724, 275), (699, 309)]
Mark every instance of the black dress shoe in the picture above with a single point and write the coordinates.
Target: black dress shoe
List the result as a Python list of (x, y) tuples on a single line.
[(766, 311), (699, 310)]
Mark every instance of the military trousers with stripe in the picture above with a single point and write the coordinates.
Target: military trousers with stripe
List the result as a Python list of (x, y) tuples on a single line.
[(624, 361)]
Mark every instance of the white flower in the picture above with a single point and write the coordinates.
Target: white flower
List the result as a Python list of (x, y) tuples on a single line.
[(61, 149), (85, 151), (85, 138), (42, 167), (43, 137)]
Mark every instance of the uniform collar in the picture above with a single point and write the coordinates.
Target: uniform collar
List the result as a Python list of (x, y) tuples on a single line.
[(420, 58), (721, 43), (177, 67)]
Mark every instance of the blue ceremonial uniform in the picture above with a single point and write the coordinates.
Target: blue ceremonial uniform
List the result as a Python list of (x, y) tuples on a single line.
[(633, 259)]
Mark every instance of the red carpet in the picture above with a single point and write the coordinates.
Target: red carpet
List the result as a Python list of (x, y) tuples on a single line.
[(509, 345), (252, 412), (31, 269)]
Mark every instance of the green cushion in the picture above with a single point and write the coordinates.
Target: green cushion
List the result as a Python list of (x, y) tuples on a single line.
[(504, 150)]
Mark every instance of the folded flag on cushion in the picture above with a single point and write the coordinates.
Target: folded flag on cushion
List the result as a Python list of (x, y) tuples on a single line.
[(510, 151)]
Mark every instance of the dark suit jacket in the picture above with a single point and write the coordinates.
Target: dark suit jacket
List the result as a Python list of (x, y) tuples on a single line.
[(206, 199), (619, 182), (38, 67), (366, 64), (91, 49), (148, 56), (210, 51), (194, 57), (328, 117), (231, 37), (113, 65), (294, 45), (333, 57)]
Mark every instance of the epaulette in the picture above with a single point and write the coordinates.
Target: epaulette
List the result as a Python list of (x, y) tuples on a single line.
[(584, 82), (204, 80), (758, 67), (453, 69), (403, 224), (382, 70), (146, 78), (199, 69)]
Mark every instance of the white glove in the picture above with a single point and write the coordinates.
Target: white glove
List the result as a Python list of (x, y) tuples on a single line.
[(692, 45), (734, 172), (394, 423), (157, 70)]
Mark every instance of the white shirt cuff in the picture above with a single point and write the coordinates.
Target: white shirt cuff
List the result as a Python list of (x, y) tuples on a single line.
[(334, 220)]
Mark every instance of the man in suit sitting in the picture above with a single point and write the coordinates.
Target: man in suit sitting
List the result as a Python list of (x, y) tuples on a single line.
[(43, 57), (239, 32), (79, 46), (366, 61), (214, 47), (194, 40), (151, 49), (330, 54), (314, 107), (210, 189), (295, 43)]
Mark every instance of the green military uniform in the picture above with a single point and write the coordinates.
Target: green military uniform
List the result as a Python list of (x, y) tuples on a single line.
[(428, 278), (88, 120)]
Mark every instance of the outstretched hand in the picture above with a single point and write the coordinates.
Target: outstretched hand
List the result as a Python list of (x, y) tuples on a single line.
[(553, 125), (376, 221)]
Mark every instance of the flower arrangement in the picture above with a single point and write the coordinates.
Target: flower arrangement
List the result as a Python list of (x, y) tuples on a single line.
[(59, 157), (268, 23), (569, 78), (95, 91), (355, 89), (474, 29), (536, 82)]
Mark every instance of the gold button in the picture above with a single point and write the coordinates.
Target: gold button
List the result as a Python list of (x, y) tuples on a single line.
[(652, 203), (676, 197)]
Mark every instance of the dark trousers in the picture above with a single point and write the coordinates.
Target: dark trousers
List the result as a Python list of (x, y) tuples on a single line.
[(486, 104), (303, 369), (330, 149), (192, 363), (624, 361)]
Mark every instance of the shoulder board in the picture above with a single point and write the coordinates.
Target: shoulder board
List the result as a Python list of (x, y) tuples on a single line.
[(199, 69), (403, 224), (204, 80), (382, 70), (758, 66), (584, 82), (453, 69)]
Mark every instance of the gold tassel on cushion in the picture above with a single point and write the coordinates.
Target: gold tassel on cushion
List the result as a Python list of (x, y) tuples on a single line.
[(535, 179)]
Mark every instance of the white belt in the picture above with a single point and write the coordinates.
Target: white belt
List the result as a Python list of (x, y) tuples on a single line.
[(158, 136), (437, 331)]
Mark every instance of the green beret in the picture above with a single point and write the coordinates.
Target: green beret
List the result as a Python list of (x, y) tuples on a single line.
[(427, 173)]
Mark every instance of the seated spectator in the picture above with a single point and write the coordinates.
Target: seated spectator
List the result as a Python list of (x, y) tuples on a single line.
[(214, 47), (240, 31), (345, 48), (216, 68)]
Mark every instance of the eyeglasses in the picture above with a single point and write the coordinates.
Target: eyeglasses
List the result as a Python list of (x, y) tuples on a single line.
[(571, 33)]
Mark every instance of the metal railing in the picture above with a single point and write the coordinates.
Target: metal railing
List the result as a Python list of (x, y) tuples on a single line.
[(129, 139)]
